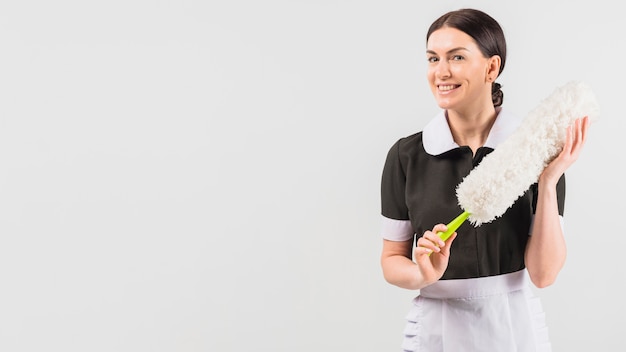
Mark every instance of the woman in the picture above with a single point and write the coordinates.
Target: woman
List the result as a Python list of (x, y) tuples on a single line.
[(475, 292)]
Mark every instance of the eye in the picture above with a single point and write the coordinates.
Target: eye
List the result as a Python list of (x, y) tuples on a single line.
[(457, 58), (432, 59)]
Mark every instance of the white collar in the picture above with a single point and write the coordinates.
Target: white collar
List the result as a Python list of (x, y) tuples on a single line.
[(437, 137)]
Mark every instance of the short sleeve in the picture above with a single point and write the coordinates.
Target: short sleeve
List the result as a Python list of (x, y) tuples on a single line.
[(560, 198), (396, 225), (560, 195)]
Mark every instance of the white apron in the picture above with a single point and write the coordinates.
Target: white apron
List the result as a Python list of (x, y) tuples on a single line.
[(490, 314)]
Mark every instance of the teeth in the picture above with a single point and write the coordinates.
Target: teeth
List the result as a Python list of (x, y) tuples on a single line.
[(449, 87)]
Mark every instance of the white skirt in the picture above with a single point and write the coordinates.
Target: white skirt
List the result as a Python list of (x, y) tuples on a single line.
[(491, 314)]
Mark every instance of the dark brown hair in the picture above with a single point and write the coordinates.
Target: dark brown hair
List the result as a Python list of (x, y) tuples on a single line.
[(485, 31)]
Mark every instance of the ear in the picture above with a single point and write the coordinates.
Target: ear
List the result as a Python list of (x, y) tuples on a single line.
[(493, 68)]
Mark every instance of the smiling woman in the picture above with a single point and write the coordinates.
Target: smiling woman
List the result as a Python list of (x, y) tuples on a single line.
[(205, 175), (475, 287)]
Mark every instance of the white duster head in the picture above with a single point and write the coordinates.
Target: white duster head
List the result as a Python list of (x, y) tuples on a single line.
[(505, 174)]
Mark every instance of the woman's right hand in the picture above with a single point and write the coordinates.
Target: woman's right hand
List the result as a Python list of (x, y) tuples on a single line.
[(432, 254)]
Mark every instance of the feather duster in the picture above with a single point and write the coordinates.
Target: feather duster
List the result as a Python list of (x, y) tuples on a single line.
[(505, 174)]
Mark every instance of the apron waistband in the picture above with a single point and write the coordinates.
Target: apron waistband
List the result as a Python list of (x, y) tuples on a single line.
[(477, 287)]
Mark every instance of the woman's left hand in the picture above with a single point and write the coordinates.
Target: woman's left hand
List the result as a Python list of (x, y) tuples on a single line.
[(574, 141)]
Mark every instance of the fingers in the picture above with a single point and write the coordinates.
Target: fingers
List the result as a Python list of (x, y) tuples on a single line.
[(446, 250), (430, 241), (576, 136), (582, 125)]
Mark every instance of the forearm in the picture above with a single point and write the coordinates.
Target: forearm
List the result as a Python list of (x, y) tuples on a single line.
[(398, 267), (546, 250), (401, 271)]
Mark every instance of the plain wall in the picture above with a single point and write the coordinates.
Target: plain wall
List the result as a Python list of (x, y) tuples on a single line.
[(204, 176)]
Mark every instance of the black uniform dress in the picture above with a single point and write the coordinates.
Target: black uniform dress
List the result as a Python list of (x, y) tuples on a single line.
[(483, 301)]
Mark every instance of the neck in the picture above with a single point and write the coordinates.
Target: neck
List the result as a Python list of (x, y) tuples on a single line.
[(473, 129)]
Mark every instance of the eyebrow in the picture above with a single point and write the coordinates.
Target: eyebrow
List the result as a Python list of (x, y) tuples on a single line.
[(449, 51)]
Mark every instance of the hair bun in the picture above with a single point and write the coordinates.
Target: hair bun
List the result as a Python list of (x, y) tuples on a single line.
[(497, 96)]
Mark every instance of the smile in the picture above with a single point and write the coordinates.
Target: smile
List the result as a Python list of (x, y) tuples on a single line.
[(447, 87)]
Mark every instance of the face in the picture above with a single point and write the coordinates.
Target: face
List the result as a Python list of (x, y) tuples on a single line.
[(458, 73)]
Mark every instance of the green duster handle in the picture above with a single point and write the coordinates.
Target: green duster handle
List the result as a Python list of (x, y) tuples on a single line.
[(453, 225)]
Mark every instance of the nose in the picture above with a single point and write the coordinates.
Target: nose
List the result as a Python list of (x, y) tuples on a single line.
[(442, 70)]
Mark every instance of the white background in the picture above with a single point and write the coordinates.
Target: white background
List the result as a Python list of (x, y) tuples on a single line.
[(204, 176)]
